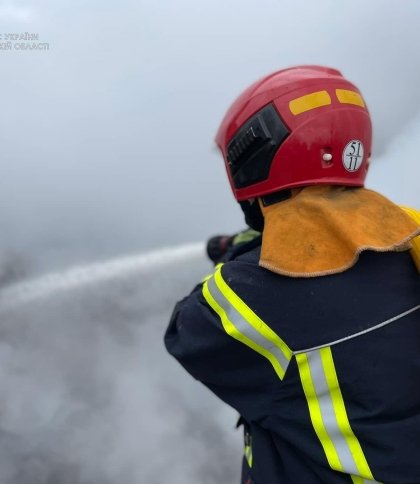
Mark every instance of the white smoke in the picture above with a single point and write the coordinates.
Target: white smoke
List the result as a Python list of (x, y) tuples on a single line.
[(395, 172), (89, 394)]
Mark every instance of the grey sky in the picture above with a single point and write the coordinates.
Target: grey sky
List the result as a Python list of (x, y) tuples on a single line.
[(107, 137)]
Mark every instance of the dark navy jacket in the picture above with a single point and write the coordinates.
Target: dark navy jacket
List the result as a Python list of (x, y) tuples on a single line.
[(324, 371)]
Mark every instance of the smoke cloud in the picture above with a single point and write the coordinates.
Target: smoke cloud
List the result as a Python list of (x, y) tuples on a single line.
[(89, 394)]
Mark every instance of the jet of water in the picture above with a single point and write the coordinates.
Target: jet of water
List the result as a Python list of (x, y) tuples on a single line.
[(79, 276)]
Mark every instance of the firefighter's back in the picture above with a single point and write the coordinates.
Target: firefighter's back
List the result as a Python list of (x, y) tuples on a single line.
[(348, 405)]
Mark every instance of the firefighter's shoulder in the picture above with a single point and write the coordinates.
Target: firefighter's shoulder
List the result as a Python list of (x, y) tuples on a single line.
[(309, 312)]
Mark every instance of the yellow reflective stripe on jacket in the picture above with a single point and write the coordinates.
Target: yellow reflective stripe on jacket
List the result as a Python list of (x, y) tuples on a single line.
[(415, 251), (248, 454), (241, 323), (329, 416), (209, 276), (360, 480)]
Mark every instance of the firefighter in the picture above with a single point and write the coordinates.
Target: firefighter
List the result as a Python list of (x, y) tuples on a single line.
[(310, 324)]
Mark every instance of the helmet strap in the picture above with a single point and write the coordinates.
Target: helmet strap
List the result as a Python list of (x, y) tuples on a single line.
[(276, 197), (252, 210)]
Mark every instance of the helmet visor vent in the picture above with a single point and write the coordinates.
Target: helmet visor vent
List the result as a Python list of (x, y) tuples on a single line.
[(252, 149)]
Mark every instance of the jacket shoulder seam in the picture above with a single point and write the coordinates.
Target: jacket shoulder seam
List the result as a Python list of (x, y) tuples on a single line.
[(360, 333)]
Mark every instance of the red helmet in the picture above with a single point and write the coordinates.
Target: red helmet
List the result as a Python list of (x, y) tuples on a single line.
[(301, 126)]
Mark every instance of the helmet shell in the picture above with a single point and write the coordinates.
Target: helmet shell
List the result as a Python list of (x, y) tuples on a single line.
[(326, 137)]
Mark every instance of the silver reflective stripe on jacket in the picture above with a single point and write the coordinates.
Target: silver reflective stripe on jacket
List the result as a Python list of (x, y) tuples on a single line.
[(241, 323), (329, 416)]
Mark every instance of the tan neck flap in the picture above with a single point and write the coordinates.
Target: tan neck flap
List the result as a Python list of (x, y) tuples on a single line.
[(323, 229)]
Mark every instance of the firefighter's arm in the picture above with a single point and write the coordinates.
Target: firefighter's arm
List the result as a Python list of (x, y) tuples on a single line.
[(215, 347)]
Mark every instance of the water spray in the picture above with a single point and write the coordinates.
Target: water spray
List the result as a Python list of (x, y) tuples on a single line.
[(90, 274)]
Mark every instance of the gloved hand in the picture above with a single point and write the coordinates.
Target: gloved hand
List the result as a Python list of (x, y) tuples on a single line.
[(218, 245)]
